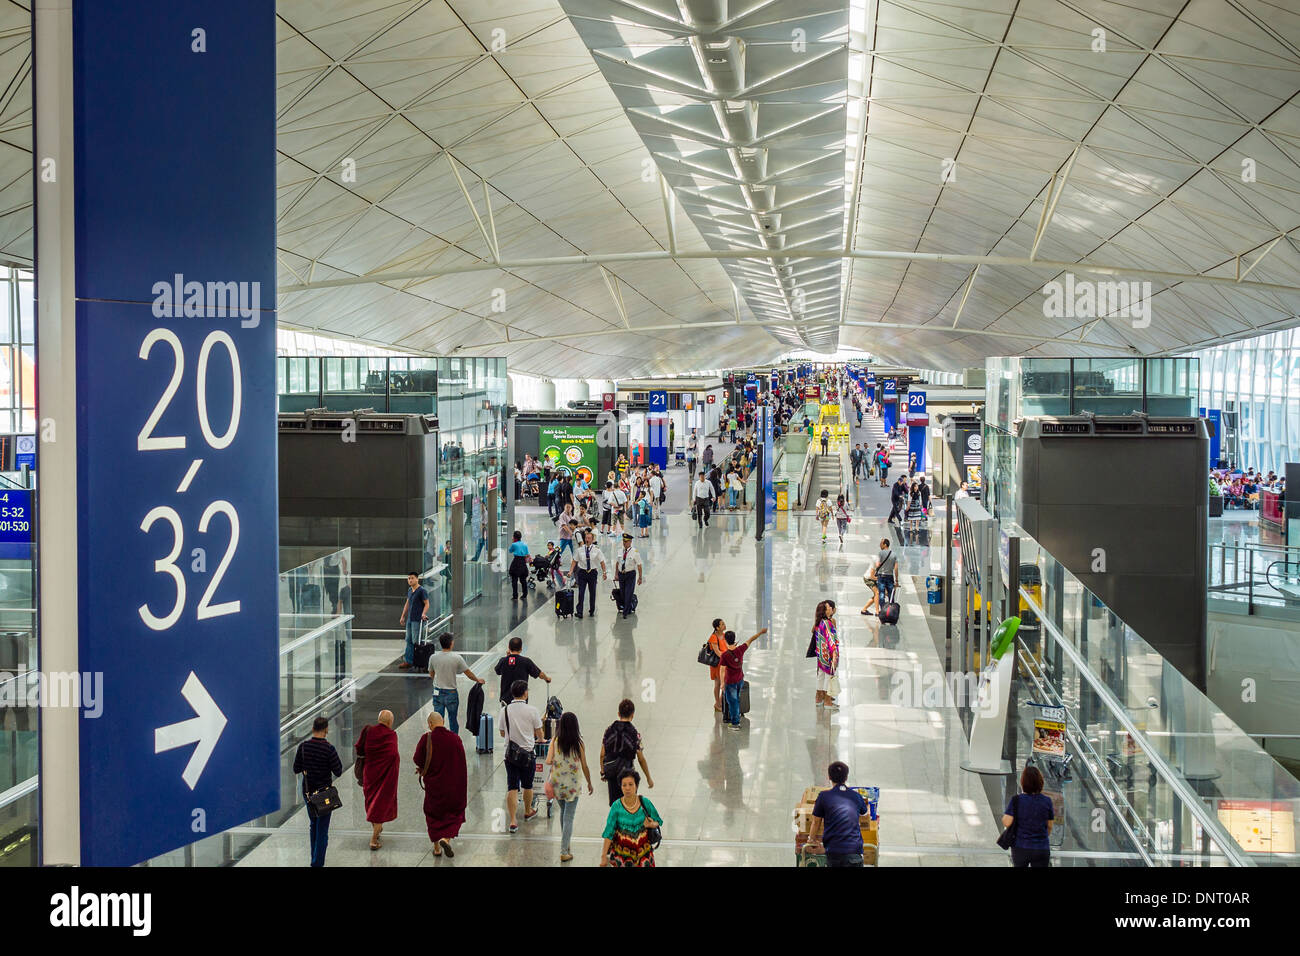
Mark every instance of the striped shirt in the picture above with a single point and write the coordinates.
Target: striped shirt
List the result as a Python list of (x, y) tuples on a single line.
[(318, 762)]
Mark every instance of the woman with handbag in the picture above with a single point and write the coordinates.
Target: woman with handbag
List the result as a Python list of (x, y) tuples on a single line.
[(566, 755), (440, 765), (828, 654), (1028, 822), (633, 827)]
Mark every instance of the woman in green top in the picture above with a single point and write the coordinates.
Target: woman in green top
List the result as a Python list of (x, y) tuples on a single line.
[(627, 829)]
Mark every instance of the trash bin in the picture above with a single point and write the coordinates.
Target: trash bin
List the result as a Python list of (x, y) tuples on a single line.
[(782, 488), (934, 589)]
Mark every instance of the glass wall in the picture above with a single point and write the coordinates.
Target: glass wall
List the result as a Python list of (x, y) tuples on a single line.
[(346, 383), (1259, 380), (471, 400)]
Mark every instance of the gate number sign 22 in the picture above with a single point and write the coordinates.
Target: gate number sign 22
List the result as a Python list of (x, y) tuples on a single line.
[(148, 441)]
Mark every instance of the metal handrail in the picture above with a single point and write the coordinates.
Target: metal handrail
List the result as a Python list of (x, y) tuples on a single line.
[(1176, 781)]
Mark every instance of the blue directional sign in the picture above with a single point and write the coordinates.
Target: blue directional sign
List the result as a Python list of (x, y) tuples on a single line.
[(656, 421), (16, 525), (176, 431)]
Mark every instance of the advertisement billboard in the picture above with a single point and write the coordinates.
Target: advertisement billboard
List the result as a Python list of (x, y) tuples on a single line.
[(570, 450)]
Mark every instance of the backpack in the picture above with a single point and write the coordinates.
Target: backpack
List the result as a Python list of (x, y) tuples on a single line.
[(823, 509), (620, 748), (554, 709)]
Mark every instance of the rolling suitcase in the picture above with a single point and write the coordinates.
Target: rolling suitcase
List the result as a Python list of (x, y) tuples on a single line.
[(423, 650), (744, 696), (564, 602), (889, 612), (484, 739)]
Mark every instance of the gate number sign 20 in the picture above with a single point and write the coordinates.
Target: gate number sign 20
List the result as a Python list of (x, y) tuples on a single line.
[(148, 441)]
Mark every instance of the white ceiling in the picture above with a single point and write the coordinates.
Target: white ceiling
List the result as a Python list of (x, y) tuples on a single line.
[(1145, 142)]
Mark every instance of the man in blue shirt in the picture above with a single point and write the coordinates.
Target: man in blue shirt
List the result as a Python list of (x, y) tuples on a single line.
[(551, 503), (837, 819), (414, 611)]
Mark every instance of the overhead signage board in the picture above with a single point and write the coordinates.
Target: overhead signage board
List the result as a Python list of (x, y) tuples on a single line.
[(890, 393), (571, 450), (916, 412), (176, 485)]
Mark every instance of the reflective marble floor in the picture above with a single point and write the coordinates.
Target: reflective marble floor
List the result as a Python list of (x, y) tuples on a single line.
[(726, 797)]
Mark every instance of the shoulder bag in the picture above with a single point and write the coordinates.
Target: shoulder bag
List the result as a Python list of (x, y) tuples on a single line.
[(516, 756), (708, 656), (428, 758), (1007, 839), (325, 800), (359, 761)]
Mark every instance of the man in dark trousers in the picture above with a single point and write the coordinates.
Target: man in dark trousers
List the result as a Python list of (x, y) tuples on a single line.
[(319, 764), (627, 568), (514, 666), (898, 498), (586, 559)]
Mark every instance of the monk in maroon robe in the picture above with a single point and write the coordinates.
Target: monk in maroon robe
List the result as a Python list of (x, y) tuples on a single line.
[(378, 746), (440, 764)]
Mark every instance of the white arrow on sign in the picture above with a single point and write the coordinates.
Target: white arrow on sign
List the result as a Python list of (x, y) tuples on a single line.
[(204, 730)]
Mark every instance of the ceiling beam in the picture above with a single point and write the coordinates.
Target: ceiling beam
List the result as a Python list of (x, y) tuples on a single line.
[(940, 258), (1049, 209), (693, 326)]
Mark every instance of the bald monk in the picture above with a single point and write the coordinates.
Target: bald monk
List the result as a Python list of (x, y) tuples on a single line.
[(377, 745), (440, 764)]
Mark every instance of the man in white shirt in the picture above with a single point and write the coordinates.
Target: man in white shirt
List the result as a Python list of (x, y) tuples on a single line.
[(520, 723), (627, 568), (656, 489), (703, 493), (586, 558)]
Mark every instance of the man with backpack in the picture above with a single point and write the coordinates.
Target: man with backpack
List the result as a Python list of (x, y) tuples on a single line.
[(620, 745)]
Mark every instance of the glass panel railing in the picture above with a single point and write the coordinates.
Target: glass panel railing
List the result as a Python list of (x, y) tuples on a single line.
[(1199, 789), (315, 678), (1254, 575)]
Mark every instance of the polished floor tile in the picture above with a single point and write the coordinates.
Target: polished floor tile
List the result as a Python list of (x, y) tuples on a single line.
[(727, 797)]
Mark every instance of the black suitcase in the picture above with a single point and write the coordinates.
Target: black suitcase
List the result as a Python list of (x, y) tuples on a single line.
[(421, 656), (889, 613), (564, 602), (744, 696)]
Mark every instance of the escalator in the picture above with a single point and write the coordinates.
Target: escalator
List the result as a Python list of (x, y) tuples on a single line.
[(828, 475)]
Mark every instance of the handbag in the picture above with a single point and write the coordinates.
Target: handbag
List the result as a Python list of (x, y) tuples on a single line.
[(812, 646), (428, 759), (516, 756), (325, 800), (1007, 838), (708, 655), (359, 762)]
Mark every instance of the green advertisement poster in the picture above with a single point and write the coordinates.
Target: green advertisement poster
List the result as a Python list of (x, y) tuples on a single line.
[(571, 451)]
